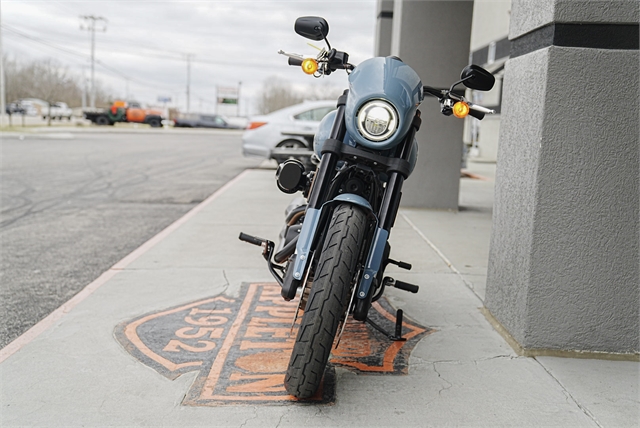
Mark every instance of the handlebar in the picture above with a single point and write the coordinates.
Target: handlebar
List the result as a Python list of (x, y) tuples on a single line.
[(433, 91), (295, 61), (447, 99)]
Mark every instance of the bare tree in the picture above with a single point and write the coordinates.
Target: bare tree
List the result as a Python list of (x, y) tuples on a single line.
[(51, 82), (277, 93), (48, 79)]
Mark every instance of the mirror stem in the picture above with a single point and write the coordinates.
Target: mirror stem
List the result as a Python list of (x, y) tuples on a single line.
[(459, 82)]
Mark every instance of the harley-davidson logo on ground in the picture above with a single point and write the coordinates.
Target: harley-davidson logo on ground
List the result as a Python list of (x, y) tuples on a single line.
[(241, 346)]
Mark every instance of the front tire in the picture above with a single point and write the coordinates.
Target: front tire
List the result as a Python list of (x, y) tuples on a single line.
[(327, 301)]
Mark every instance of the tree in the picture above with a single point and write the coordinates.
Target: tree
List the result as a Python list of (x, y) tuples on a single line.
[(278, 93), (48, 80), (51, 82)]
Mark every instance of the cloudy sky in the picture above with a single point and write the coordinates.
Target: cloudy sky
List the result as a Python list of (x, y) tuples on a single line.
[(145, 43)]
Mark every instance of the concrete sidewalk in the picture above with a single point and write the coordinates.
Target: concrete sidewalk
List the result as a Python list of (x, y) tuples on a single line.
[(75, 373)]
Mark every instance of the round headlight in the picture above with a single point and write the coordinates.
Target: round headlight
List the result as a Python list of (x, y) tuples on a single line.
[(377, 120)]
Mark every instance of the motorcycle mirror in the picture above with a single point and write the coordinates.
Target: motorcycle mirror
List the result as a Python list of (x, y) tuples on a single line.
[(476, 77), (312, 27)]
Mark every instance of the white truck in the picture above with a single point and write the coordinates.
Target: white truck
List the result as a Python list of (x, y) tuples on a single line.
[(59, 110)]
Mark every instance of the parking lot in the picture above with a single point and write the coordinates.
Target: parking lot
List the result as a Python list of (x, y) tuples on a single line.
[(74, 203)]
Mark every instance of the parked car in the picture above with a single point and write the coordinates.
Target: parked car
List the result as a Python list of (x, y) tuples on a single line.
[(269, 136), (59, 110), (203, 121), (15, 108), (27, 106)]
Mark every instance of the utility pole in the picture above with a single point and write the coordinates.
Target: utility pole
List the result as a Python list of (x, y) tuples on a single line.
[(2, 95), (238, 100), (188, 57), (90, 25), (84, 88)]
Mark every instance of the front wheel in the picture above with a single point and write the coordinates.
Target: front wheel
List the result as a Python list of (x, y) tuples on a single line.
[(327, 302)]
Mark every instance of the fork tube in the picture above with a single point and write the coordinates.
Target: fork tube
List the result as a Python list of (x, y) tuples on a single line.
[(393, 190), (322, 180)]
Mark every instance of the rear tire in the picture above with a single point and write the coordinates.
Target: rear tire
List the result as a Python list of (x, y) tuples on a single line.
[(102, 121), (154, 123), (327, 300)]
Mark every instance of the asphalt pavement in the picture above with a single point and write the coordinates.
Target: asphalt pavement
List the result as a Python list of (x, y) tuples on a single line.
[(152, 341), (73, 203)]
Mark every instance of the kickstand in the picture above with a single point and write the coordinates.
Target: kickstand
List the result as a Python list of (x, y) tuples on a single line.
[(397, 337)]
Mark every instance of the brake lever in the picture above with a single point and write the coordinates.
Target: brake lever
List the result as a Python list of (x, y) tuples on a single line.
[(291, 55)]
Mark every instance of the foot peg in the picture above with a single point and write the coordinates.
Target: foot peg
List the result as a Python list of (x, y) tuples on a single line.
[(252, 239), (390, 282), (401, 265), (267, 251)]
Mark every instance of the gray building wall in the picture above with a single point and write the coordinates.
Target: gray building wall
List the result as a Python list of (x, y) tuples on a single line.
[(564, 264), (489, 30), (433, 38), (564, 259), (384, 26)]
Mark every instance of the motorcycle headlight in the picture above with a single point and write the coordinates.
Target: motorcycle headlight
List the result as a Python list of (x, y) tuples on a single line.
[(377, 120)]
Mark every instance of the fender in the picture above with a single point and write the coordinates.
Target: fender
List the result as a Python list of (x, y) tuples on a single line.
[(310, 226)]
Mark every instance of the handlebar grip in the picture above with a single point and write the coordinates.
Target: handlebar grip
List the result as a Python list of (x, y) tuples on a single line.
[(295, 61), (477, 114), (251, 239)]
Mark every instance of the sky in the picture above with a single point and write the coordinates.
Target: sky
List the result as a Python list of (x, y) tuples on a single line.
[(143, 50)]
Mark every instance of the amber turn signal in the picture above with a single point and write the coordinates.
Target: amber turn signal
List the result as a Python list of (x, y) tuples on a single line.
[(309, 65), (460, 109)]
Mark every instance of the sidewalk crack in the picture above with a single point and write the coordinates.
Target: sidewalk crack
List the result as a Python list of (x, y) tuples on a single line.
[(569, 396), (440, 376), (226, 281), (255, 416)]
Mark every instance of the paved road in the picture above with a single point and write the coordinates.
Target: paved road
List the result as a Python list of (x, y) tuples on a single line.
[(71, 208)]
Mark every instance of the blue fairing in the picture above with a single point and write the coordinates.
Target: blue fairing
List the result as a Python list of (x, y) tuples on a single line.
[(388, 79), (324, 130)]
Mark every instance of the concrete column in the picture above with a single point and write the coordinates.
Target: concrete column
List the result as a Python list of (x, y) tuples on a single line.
[(564, 265), (433, 38), (384, 24)]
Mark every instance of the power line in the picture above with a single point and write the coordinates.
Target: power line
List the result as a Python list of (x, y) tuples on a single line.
[(84, 56), (44, 42), (126, 77), (162, 55)]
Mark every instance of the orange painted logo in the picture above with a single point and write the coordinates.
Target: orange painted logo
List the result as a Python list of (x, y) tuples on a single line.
[(241, 346)]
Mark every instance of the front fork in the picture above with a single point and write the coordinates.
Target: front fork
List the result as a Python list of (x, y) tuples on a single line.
[(386, 219), (318, 195)]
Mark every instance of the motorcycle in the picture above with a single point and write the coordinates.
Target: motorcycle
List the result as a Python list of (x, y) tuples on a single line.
[(334, 248)]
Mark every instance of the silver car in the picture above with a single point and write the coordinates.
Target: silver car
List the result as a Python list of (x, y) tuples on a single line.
[(279, 134)]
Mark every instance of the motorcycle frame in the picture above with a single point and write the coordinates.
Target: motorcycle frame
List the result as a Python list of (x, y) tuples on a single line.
[(315, 223)]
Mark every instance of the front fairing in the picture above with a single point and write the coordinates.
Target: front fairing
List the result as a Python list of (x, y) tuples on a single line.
[(324, 131), (388, 79)]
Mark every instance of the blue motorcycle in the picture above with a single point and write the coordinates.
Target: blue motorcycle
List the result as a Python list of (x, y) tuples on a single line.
[(334, 247)]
